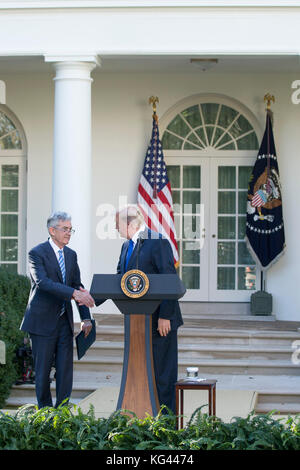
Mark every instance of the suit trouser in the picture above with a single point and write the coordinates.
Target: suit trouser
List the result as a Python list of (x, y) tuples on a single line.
[(165, 359), (55, 349)]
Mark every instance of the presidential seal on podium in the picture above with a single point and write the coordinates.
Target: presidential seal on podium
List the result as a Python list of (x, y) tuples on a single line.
[(134, 283)]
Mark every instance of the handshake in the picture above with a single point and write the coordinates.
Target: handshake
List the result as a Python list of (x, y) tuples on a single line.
[(83, 297)]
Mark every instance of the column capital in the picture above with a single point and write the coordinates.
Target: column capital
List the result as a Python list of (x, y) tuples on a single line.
[(84, 57), (73, 66)]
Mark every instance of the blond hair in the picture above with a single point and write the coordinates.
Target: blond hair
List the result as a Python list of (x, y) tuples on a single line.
[(131, 213)]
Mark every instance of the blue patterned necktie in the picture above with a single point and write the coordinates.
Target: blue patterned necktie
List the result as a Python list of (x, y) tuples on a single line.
[(61, 263), (129, 253)]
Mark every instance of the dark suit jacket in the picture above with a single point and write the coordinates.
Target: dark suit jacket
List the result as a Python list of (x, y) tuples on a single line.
[(48, 292), (155, 256)]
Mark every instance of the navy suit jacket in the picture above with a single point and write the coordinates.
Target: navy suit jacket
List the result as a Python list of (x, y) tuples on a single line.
[(48, 292), (153, 254)]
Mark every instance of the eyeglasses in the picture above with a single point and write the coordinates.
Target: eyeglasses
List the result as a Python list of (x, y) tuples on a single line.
[(65, 230)]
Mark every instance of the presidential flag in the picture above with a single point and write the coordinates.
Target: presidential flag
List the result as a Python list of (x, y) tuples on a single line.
[(264, 227), (154, 192)]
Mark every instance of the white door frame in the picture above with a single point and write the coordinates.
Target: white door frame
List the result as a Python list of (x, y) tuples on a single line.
[(215, 294)]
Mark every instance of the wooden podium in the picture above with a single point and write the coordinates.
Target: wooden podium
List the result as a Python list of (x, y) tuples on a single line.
[(138, 391)]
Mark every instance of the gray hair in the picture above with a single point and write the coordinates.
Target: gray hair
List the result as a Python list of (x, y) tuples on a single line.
[(57, 217), (130, 213)]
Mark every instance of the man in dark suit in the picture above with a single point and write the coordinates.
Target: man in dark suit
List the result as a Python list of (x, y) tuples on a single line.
[(55, 281), (152, 254)]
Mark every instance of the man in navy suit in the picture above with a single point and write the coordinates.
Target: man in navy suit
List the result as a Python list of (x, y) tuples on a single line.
[(152, 254), (55, 281)]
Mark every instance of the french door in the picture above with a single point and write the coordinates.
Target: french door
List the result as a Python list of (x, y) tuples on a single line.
[(210, 197)]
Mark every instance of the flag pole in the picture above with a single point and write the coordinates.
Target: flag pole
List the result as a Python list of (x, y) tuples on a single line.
[(153, 100), (267, 99)]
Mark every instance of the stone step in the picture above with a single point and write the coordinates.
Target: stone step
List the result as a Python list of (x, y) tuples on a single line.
[(80, 389), (283, 401), (282, 409), (213, 336), (203, 350), (279, 396), (15, 402), (218, 366)]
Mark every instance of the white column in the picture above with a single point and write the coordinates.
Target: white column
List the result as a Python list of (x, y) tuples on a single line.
[(71, 186)]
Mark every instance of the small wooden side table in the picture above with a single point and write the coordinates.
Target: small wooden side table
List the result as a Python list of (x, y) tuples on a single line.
[(182, 385)]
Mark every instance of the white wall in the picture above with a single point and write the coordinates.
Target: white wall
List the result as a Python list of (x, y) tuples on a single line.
[(121, 131)]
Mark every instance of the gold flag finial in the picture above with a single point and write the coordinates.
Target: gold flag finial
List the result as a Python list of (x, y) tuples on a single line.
[(153, 100), (268, 98)]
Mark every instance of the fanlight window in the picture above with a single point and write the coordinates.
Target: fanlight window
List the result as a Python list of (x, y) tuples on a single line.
[(9, 135), (209, 125)]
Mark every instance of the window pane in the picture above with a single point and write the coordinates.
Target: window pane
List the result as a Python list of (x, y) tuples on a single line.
[(226, 177), (226, 227), (10, 176), (9, 225), (191, 202), (171, 142), (247, 278), (209, 133), (202, 135), (189, 146), (174, 175), (176, 201), (191, 253), (11, 141), (191, 277), (191, 226), (9, 200), (192, 138), (241, 227), (226, 116), (242, 202), (11, 268), (225, 139), (177, 225), (179, 127), (240, 126), (9, 250), (230, 146), (5, 124), (192, 115), (244, 176), (209, 112), (226, 253), (226, 278), (226, 202), (244, 256), (249, 142), (191, 176)]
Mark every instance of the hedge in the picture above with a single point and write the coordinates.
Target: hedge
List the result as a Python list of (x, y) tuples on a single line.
[(14, 291), (67, 428)]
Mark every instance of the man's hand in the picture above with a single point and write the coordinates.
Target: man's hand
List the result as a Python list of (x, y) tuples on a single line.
[(83, 297), (164, 326), (86, 326)]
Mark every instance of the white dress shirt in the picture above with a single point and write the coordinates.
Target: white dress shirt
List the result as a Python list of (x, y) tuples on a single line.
[(56, 249)]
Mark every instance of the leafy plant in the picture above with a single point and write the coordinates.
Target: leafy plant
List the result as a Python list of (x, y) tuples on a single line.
[(68, 428), (14, 290)]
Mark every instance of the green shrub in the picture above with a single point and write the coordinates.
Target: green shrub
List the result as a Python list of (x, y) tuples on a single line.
[(14, 291), (65, 428)]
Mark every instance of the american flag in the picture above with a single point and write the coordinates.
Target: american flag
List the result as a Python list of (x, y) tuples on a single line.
[(154, 192)]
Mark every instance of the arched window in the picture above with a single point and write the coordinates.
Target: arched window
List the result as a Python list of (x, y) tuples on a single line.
[(209, 125), (13, 151)]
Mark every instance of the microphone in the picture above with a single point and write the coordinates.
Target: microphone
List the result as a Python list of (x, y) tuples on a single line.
[(140, 243)]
